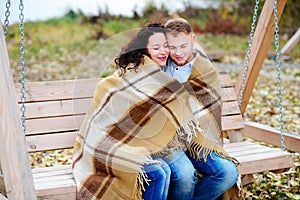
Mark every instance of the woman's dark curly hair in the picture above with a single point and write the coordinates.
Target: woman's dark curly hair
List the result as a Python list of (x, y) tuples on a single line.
[(135, 50)]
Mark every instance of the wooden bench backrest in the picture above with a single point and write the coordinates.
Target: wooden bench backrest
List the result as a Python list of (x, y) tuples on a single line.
[(55, 110)]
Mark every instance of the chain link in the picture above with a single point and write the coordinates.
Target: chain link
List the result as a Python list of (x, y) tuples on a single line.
[(22, 66), (276, 37), (6, 21), (248, 52)]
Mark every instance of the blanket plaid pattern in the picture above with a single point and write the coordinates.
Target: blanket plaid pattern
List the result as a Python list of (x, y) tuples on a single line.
[(142, 114)]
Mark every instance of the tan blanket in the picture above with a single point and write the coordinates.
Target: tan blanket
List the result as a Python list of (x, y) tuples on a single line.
[(138, 115)]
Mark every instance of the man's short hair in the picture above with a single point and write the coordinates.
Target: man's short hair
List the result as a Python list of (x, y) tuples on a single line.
[(178, 25)]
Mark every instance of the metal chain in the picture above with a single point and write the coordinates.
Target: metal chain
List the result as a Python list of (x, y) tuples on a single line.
[(276, 37), (248, 52), (6, 21), (22, 66)]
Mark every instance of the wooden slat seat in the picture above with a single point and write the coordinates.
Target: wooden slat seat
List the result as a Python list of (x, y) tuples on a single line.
[(55, 182), (258, 158), (56, 109), (254, 158)]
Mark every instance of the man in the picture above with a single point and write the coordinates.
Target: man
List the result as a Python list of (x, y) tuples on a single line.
[(187, 59)]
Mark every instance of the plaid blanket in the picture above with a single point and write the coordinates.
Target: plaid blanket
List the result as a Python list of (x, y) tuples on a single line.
[(142, 114)]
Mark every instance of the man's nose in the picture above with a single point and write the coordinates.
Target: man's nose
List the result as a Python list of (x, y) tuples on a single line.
[(177, 52)]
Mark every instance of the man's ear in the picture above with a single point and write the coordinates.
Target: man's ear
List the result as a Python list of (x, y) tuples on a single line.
[(193, 38)]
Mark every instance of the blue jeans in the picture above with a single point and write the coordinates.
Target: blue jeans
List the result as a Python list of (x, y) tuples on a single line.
[(183, 177), (159, 176), (219, 174)]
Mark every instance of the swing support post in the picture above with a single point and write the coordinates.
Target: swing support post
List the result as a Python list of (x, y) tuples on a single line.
[(15, 163), (262, 38)]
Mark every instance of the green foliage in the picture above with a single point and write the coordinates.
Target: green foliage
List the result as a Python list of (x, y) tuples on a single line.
[(72, 16), (290, 19), (121, 24), (235, 16), (154, 13), (224, 42), (150, 8)]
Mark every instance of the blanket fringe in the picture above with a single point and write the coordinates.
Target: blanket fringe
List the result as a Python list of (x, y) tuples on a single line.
[(226, 156), (183, 141), (142, 178), (206, 149), (195, 149), (140, 184), (189, 129), (167, 152)]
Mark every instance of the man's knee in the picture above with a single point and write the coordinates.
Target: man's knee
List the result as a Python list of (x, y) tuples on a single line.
[(187, 174), (229, 175)]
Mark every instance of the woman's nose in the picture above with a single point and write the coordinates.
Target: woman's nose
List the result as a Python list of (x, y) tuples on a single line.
[(164, 51)]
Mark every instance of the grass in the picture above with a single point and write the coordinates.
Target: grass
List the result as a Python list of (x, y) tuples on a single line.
[(67, 45)]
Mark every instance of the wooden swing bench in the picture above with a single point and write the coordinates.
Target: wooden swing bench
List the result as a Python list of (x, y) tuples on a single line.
[(54, 114)]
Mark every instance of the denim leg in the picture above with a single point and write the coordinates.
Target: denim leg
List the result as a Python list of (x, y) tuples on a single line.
[(158, 186), (219, 174), (183, 177)]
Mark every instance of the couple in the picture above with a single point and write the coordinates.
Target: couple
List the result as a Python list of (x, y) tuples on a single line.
[(150, 133)]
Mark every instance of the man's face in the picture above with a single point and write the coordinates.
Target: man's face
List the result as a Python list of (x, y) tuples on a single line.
[(181, 47)]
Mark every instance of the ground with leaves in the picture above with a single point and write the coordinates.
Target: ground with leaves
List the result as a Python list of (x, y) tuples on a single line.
[(263, 108)]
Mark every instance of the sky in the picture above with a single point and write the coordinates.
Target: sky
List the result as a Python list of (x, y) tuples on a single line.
[(44, 9)]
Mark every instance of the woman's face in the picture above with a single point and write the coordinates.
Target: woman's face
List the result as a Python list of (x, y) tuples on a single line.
[(158, 48)]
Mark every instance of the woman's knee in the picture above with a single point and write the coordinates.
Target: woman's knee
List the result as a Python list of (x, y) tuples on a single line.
[(156, 172), (158, 182), (167, 171)]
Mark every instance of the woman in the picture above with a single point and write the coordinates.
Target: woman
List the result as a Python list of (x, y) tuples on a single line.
[(140, 118)]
